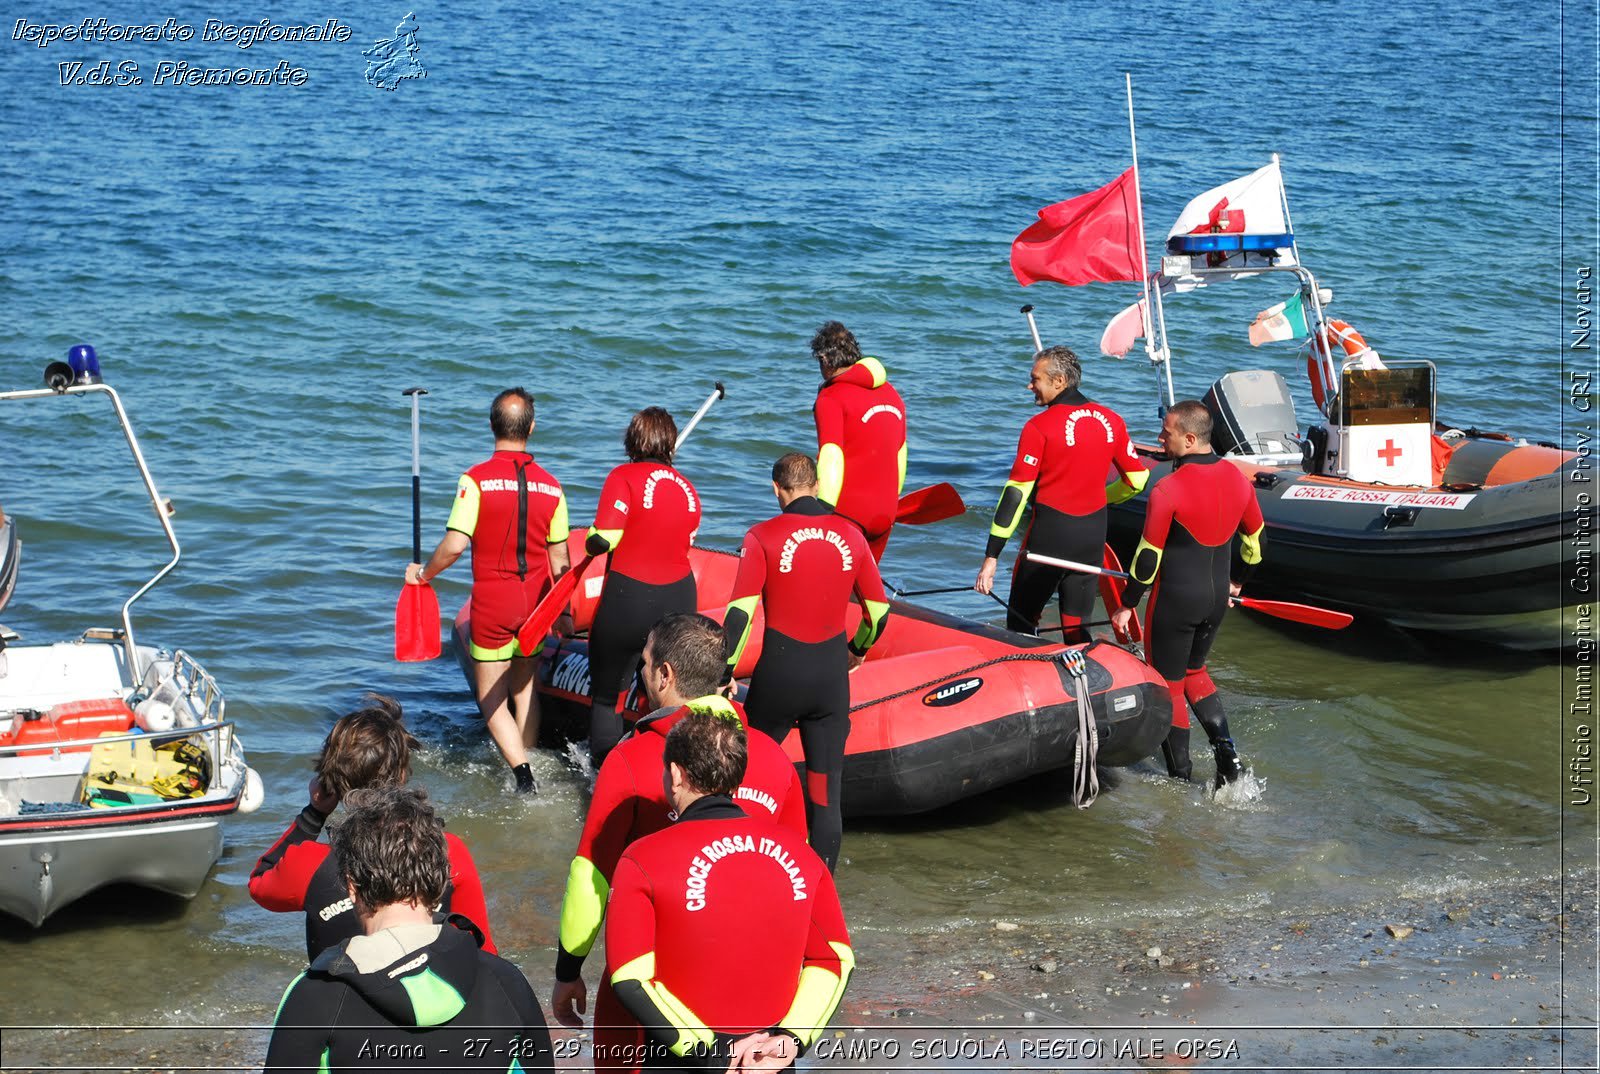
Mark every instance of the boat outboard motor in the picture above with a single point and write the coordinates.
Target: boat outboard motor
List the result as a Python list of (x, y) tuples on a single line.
[(1253, 414)]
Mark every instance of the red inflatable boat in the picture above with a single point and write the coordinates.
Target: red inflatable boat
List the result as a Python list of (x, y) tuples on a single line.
[(944, 708)]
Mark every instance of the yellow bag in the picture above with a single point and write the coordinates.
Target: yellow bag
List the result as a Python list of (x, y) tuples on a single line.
[(133, 772)]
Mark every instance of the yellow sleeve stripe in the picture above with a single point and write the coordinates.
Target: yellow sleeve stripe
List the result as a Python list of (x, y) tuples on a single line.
[(747, 605), (1144, 567), (903, 455), (874, 614), (583, 908), (1126, 487), (640, 969), (559, 529), (691, 1030), (830, 472), (1008, 512), (880, 375), (1250, 545), (817, 997), (464, 512), (612, 538)]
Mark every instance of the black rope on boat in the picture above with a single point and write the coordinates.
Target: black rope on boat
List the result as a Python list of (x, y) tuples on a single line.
[(1047, 657)]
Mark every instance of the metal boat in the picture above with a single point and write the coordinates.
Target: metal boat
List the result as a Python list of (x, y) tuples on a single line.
[(87, 723)]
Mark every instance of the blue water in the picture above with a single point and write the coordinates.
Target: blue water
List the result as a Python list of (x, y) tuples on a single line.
[(616, 207)]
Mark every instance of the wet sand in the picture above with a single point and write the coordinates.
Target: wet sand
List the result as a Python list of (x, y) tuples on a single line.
[(1472, 985)]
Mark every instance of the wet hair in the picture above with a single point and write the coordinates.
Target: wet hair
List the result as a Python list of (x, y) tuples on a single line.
[(369, 747), (794, 472), (652, 436), (1061, 362), (511, 414), (834, 347), (695, 647), (1193, 418), (711, 751), (391, 848)]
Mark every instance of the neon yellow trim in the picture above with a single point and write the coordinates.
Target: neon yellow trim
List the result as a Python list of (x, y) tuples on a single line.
[(583, 907), (1006, 527), (434, 1001), (691, 1030), (747, 605), (464, 512), (640, 969), (901, 487), (1139, 557), (830, 472), (880, 375), (1250, 545), (286, 991), (505, 652), (612, 538), (717, 705), (872, 619), (558, 522), (817, 996), (1127, 486)]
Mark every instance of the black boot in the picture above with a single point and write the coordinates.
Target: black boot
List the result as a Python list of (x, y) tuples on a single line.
[(1176, 751), (1209, 712), (525, 780)]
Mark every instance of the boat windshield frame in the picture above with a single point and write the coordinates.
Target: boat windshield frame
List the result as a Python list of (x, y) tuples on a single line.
[(163, 515)]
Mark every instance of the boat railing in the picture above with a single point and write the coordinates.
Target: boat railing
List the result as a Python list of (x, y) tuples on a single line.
[(162, 509), (221, 734), (183, 676)]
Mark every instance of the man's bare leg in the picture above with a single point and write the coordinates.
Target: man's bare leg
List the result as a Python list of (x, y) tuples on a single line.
[(492, 680), (524, 700)]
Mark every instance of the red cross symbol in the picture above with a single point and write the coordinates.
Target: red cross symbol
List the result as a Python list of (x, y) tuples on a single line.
[(1388, 453)]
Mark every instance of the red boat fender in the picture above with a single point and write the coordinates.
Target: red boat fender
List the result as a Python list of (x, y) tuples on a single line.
[(72, 720)]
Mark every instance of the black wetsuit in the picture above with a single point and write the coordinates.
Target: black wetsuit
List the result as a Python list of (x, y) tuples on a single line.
[(444, 1005)]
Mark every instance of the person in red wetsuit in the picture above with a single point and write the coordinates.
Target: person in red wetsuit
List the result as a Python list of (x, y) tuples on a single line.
[(806, 564), (647, 519), (513, 515), (1188, 561), (861, 436), (683, 665), (725, 937), (367, 748), (1064, 457)]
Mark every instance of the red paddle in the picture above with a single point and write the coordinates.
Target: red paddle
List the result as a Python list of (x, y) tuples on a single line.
[(1282, 609), (932, 504), (416, 615), (549, 609), (1326, 618), (1111, 595)]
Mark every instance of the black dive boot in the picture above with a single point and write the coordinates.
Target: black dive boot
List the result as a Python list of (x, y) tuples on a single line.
[(1209, 712), (1176, 751)]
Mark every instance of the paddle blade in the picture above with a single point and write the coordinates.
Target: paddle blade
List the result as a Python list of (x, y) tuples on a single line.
[(932, 504), (1111, 595), (543, 617), (1326, 618), (416, 624)]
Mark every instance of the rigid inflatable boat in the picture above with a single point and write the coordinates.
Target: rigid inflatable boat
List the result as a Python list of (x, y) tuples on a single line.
[(117, 761), (942, 709)]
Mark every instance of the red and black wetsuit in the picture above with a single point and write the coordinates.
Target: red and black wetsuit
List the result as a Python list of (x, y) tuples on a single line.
[(720, 926), (629, 803), (647, 518), (1064, 457), (513, 511), (1186, 558), (299, 873), (861, 448), (805, 565)]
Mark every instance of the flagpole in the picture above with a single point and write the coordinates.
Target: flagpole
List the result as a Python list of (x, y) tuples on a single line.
[(1318, 316), (1156, 350)]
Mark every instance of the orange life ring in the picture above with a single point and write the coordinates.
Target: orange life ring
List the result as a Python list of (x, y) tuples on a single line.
[(1351, 346)]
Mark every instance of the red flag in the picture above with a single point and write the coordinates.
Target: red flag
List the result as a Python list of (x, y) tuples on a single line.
[(1092, 237)]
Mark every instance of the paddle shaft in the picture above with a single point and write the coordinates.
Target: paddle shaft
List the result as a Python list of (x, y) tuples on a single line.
[(1038, 344), (718, 392), (1074, 565), (416, 471)]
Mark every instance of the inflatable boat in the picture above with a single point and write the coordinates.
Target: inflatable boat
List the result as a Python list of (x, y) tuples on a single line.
[(942, 709), (117, 761)]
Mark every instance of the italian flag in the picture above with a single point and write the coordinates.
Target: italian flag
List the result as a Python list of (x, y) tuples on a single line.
[(1286, 320)]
